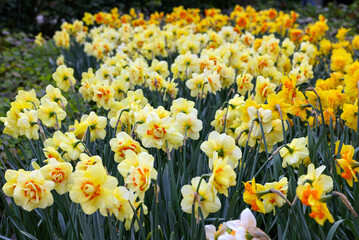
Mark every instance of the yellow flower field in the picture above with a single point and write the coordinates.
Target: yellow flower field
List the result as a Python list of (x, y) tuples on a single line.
[(188, 125)]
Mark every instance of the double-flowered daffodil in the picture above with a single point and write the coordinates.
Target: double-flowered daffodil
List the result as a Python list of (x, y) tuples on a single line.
[(93, 188)]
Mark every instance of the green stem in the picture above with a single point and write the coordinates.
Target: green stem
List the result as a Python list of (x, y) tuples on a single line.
[(263, 134), (225, 120), (327, 197), (200, 180), (57, 122), (119, 120), (76, 98), (281, 118), (155, 230), (174, 188), (245, 153), (134, 127), (184, 150)]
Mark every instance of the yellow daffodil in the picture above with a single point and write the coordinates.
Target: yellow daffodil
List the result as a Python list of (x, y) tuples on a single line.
[(294, 153), (93, 188), (51, 114), (182, 105), (39, 40), (320, 213), (11, 177), (96, 125), (135, 203), (59, 173), (342, 33), (350, 115), (355, 42), (315, 173), (159, 133), (271, 200), (103, 94), (252, 194), (132, 160), (28, 124), (54, 95), (265, 118), (277, 106), (33, 191), (122, 143), (264, 88), (222, 176), (121, 207), (224, 145), (349, 166), (198, 85), (188, 124), (205, 198), (72, 146), (62, 39), (311, 194), (86, 160), (27, 99), (64, 77), (139, 177)]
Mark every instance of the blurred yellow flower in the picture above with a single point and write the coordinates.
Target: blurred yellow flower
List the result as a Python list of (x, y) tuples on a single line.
[(39, 40)]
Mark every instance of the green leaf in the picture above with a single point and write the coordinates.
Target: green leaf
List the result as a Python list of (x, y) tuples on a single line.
[(321, 139), (28, 235), (5, 238), (232, 205), (335, 226)]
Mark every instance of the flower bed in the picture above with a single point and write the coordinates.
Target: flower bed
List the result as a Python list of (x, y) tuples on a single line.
[(174, 126)]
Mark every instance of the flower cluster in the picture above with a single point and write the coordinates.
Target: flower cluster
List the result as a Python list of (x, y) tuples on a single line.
[(197, 112), (311, 191), (262, 198)]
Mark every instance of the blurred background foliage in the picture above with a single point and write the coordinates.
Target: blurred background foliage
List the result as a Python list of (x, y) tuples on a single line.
[(33, 16), (23, 65)]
